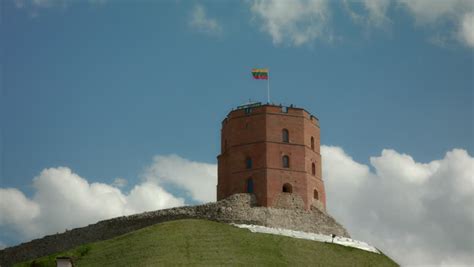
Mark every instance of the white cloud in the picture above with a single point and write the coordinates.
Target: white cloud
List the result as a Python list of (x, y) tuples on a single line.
[(450, 20), (41, 3), (149, 196), (119, 182), (295, 22), (304, 21), (466, 31), (19, 3), (63, 199), (418, 213), (458, 14), (376, 12), (392, 165), (34, 7), (203, 23), (15, 209), (343, 169), (429, 11), (198, 179)]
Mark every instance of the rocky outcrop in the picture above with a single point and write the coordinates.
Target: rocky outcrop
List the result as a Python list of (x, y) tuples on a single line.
[(238, 208)]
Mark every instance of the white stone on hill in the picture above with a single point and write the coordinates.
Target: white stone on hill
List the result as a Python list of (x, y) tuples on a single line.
[(344, 241)]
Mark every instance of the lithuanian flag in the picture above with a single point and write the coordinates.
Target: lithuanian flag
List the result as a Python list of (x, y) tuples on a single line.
[(260, 74)]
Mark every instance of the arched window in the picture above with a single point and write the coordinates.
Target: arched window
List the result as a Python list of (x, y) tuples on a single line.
[(313, 168), (315, 194), (249, 185), (248, 163), (312, 143), (287, 188), (285, 136), (285, 161)]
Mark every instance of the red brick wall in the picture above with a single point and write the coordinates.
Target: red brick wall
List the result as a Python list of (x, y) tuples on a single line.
[(258, 135)]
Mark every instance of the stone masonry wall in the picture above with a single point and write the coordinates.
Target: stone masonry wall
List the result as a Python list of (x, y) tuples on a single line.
[(238, 208)]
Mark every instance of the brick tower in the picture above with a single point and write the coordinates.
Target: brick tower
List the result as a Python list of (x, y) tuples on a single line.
[(274, 153)]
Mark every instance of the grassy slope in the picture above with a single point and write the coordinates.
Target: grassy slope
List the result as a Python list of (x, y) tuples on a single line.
[(200, 242)]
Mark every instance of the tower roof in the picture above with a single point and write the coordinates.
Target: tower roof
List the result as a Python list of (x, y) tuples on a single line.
[(246, 108)]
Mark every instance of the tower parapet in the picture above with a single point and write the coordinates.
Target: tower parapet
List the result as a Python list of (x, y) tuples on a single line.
[(273, 152)]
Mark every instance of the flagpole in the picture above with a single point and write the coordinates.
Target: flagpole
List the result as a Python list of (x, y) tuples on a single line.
[(268, 88)]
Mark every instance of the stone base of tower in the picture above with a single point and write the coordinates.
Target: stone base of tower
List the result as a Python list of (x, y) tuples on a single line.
[(288, 213), (289, 201)]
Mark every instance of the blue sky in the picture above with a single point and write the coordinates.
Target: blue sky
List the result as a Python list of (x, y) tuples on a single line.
[(101, 87), (106, 93)]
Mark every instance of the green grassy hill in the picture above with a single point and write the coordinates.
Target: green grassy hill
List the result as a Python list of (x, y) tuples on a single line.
[(201, 242)]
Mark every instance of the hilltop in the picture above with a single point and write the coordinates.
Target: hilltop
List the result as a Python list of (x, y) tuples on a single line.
[(202, 242), (238, 208)]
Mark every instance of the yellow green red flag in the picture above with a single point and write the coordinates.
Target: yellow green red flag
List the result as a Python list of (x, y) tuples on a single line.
[(260, 74)]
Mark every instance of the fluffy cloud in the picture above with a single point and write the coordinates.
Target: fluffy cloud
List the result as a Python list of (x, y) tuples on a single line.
[(393, 165), (418, 213), (296, 22), (304, 21), (429, 11), (201, 22), (119, 182), (16, 209), (458, 13), (49, 3), (34, 7), (198, 179), (36, 3), (375, 12), (63, 200), (466, 31)]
